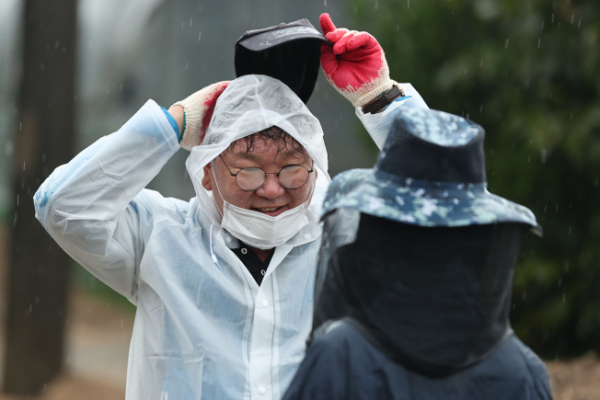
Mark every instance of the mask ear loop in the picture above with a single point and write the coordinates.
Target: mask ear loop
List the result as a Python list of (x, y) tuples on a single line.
[(313, 191), (212, 171), (212, 253)]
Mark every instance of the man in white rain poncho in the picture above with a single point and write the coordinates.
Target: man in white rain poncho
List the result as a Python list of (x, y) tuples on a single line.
[(223, 283)]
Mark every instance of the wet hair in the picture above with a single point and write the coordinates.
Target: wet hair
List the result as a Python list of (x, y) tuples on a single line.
[(279, 137)]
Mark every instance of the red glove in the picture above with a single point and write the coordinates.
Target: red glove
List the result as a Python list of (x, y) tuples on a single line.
[(198, 110), (355, 65)]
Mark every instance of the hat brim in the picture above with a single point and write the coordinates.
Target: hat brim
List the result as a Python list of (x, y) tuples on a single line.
[(423, 203), (269, 39)]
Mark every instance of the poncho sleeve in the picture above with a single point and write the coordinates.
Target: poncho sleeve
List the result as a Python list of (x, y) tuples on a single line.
[(89, 205)]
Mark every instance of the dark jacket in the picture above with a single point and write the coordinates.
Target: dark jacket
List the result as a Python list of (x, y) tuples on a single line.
[(343, 364)]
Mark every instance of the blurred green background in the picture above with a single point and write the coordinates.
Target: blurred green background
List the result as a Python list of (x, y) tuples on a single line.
[(528, 71)]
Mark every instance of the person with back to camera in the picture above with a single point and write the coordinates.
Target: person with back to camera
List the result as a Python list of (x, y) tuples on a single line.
[(223, 284), (414, 277)]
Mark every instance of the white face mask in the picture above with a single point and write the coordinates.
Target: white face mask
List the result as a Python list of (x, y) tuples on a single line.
[(259, 230)]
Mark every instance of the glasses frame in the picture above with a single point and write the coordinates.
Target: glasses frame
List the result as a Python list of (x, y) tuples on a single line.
[(312, 168)]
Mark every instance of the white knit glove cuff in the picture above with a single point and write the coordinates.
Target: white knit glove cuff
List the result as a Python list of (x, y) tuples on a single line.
[(375, 92), (192, 134), (198, 109), (368, 91)]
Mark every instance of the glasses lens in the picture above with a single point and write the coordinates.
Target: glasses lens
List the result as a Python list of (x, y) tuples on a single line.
[(250, 178), (293, 176)]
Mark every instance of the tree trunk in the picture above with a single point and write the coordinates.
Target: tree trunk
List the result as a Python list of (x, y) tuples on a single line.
[(44, 137)]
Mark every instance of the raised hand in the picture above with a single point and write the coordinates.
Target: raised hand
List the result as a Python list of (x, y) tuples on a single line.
[(198, 109), (355, 65)]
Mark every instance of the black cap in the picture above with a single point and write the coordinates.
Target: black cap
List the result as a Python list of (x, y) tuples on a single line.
[(288, 52)]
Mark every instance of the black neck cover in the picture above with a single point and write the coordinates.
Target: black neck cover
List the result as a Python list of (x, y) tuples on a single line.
[(409, 156), (435, 300)]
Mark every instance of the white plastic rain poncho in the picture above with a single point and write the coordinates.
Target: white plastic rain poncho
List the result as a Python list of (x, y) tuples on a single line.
[(203, 329)]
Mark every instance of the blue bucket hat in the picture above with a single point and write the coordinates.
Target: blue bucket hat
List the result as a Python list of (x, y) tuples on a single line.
[(431, 172)]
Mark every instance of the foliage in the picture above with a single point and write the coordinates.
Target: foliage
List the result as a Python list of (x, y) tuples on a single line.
[(528, 72)]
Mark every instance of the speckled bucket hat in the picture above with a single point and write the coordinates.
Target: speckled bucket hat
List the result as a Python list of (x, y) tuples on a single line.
[(431, 172)]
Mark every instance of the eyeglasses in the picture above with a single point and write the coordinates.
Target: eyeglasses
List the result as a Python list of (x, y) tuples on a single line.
[(290, 176)]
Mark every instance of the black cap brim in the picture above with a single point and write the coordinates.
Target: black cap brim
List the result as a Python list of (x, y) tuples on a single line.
[(266, 40)]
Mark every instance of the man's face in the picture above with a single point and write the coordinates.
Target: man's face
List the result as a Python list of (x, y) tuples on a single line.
[(271, 198)]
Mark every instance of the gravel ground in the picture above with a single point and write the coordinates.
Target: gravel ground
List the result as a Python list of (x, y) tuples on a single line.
[(577, 379), (69, 387), (96, 358)]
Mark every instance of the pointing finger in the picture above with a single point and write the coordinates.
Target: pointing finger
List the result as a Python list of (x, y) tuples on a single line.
[(326, 23)]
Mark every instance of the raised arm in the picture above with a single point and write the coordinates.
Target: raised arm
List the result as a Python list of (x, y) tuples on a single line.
[(88, 205), (94, 205), (357, 68)]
